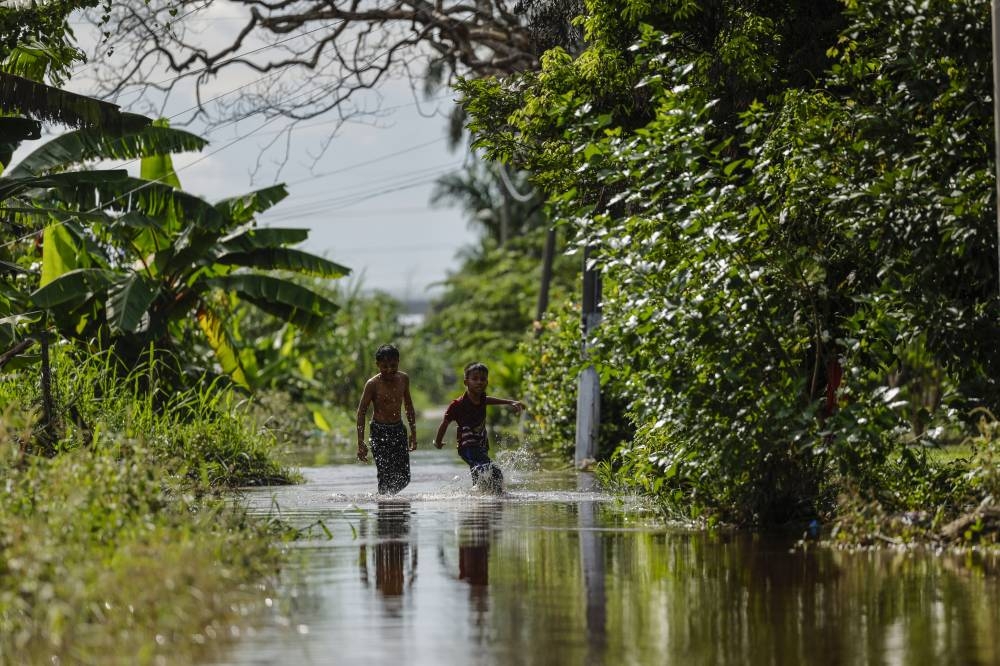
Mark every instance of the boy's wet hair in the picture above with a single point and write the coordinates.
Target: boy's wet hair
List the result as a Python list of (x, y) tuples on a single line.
[(386, 352), (476, 366)]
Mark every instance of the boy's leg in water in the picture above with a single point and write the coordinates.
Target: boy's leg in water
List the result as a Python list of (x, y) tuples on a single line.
[(392, 458), (480, 466)]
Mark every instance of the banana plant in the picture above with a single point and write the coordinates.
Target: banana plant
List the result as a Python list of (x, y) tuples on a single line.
[(25, 101), (35, 196), (159, 264)]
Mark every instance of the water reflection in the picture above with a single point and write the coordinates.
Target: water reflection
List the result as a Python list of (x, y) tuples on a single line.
[(394, 559), (475, 532), (592, 564), (567, 577)]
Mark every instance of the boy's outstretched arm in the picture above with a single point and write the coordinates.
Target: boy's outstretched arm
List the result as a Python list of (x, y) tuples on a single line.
[(411, 414), (516, 405), (366, 399), (442, 429)]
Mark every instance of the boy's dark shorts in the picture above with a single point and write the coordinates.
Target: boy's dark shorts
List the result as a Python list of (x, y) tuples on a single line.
[(480, 466), (392, 457)]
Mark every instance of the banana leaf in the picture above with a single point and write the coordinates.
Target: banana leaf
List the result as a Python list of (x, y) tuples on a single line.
[(46, 103), (285, 259), (14, 129), (249, 239), (60, 253), (72, 289), (242, 208), (214, 328), (42, 214), (87, 144), (278, 297), (83, 182), (128, 303), (148, 197)]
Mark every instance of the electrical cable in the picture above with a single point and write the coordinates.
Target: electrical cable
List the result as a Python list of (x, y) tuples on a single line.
[(206, 156), (341, 203), (509, 186)]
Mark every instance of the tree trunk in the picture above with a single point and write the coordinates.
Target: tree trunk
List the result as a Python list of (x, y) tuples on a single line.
[(543, 291), (48, 432)]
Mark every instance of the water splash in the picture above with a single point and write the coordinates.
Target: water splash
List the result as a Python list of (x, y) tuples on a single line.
[(516, 458)]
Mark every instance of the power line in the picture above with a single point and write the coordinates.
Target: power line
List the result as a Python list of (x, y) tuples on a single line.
[(394, 249), (367, 162), (367, 187), (206, 156), (347, 200)]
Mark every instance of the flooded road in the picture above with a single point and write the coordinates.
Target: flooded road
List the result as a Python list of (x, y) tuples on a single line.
[(555, 572)]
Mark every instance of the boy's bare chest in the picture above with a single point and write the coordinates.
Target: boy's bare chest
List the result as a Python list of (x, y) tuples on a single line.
[(388, 391)]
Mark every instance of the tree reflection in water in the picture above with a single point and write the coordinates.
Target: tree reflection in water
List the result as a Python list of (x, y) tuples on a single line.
[(393, 551)]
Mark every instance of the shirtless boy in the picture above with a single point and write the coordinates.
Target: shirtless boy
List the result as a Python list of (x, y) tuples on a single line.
[(387, 391)]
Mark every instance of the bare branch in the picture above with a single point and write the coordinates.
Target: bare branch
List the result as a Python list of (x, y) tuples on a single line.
[(334, 48)]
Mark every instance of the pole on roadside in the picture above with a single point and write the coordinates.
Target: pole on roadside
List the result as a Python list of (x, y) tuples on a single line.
[(588, 395), (548, 256), (995, 21)]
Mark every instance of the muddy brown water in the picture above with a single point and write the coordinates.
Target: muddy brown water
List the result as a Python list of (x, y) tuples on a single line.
[(556, 572)]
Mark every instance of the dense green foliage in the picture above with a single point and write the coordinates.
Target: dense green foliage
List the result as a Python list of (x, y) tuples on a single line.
[(203, 433), (791, 208), (118, 301), (93, 540)]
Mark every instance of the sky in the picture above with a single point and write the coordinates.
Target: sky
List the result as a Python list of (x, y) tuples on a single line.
[(365, 198)]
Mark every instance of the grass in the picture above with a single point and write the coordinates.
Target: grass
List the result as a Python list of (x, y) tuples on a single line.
[(120, 546), (947, 454)]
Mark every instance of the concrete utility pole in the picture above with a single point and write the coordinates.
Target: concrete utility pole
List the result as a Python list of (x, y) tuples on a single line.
[(995, 20), (588, 384)]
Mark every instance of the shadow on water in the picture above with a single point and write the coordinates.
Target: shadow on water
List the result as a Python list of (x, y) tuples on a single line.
[(554, 572)]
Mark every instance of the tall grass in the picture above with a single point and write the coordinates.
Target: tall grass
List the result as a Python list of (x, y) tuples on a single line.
[(203, 432), (114, 548)]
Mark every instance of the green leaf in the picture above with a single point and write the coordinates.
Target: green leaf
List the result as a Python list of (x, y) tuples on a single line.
[(73, 288), (74, 181), (287, 259), (42, 214), (278, 297), (265, 237), (14, 129), (128, 302), (242, 208), (60, 253), (320, 420), (214, 328), (159, 167), (76, 147), (46, 103), (148, 197)]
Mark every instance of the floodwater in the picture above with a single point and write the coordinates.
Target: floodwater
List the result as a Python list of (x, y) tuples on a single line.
[(555, 572)]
